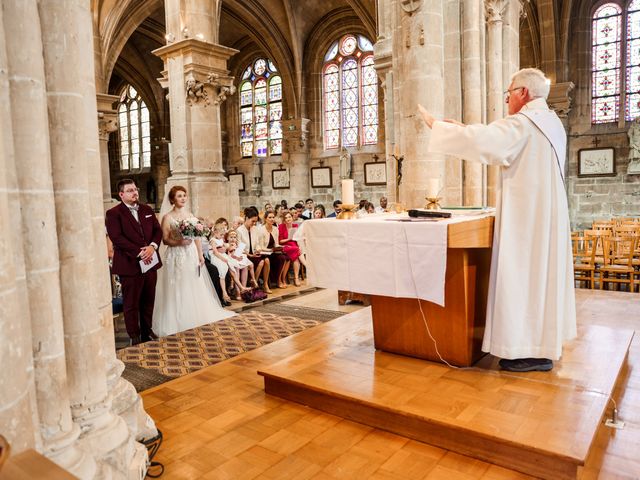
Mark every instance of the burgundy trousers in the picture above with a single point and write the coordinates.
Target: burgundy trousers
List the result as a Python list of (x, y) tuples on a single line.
[(138, 297)]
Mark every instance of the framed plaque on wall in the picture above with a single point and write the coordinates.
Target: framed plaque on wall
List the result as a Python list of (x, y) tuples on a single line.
[(375, 173), (321, 177), (280, 178), (237, 181), (597, 162)]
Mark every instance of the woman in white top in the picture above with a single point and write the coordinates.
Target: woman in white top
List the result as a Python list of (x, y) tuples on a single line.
[(252, 237)]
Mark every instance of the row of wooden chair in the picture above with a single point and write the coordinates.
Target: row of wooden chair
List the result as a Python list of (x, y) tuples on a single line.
[(608, 256)]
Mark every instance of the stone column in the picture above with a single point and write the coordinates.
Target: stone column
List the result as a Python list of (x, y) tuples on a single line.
[(66, 37), (107, 124), (383, 63), (33, 178), (296, 134), (494, 10), (18, 410), (473, 92), (418, 78), (198, 81)]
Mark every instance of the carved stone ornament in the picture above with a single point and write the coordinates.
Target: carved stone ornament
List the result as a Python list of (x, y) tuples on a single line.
[(494, 10), (107, 123), (197, 91), (411, 6)]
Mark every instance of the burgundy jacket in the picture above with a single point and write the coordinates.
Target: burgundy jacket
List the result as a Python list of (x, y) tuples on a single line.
[(128, 237)]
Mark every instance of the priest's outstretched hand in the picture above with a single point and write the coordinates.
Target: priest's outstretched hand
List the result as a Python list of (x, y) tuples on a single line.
[(426, 116), (429, 119)]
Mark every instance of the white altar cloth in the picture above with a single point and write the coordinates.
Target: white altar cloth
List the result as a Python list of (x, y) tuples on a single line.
[(378, 256)]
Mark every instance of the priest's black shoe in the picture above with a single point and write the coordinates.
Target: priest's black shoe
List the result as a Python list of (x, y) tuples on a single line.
[(526, 364), (152, 335), (136, 340)]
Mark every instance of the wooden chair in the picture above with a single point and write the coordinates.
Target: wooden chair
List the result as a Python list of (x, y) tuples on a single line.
[(599, 234), (618, 267), (584, 253), (603, 225)]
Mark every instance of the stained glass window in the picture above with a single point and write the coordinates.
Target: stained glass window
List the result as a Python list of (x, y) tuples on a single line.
[(632, 107), (350, 94), (605, 76), (261, 110), (135, 131)]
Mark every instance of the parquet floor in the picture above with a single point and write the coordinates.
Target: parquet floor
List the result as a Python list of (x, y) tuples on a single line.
[(219, 424)]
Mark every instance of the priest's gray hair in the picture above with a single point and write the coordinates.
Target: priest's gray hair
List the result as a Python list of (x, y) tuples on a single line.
[(534, 80)]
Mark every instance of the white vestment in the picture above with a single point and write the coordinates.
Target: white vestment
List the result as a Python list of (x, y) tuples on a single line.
[(531, 306)]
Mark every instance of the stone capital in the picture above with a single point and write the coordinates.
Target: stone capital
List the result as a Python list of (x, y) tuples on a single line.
[(107, 115), (494, 10), (559, 99), (383, 56), (296, 134)]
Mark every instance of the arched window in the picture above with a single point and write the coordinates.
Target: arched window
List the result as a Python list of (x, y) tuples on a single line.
[(605, 73), (350, 94), (133, 118), (261, 110)]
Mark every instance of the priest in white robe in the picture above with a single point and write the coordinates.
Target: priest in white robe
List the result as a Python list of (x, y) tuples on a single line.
[(531, 304)]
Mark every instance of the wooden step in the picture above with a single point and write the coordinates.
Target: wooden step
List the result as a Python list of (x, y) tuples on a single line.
[(539, 423)]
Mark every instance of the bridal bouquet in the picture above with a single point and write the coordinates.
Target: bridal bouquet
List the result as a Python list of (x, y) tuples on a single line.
[(193, 228)]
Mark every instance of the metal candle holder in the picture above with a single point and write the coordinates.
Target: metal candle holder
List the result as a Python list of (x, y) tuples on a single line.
[(348, 212), (433, 203)]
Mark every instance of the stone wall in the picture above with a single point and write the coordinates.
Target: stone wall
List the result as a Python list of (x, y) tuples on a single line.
[(592, 198)]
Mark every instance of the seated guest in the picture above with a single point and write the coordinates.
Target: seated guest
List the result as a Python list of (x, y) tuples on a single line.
[(383, 205), (271, 241), (222, 223), (278, 214), (319, 212), (337, 208), (251, 236), (370, 208), (217, 256), (294, 214), (283, 204), (362, 208), (308, 212), (242, 260), (299, 208), (290, 247), (212, 270)]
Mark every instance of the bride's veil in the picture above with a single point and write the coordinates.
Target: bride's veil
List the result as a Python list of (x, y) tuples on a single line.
[(165, 208)]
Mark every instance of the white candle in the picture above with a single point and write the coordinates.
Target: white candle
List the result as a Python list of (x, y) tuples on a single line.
[(434, 187), (347, 192)]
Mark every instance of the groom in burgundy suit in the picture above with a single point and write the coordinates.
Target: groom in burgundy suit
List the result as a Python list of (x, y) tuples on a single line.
[(136, 234)]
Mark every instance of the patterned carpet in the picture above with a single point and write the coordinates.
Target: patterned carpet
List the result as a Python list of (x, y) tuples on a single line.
[(191, 350)]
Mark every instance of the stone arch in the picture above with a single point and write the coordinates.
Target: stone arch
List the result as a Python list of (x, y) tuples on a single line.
[(125, 17), (252, 17), (332, 26)]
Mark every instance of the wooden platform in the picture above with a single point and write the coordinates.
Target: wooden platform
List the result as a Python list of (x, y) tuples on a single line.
[(541, 424)]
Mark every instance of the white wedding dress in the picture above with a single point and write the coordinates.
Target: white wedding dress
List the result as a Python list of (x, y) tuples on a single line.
[(185, 297)]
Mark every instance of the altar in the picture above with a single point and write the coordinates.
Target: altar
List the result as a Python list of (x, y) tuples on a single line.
[(427, 280)]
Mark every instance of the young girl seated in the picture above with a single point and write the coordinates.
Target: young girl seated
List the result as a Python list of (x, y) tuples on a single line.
[(244, 265), (221, 261)]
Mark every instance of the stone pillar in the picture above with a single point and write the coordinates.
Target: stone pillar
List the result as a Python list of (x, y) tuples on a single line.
[(418, 78), (473, 92), (66, 35), (198, 81), (18, 410), (107, 124), (494, 10), (383, 63), (296, 134)]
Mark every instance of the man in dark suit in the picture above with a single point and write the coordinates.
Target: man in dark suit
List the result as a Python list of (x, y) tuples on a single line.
[(135, 232)]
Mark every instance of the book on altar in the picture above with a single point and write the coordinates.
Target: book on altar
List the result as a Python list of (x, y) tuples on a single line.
[(240, 250), (145, 267)]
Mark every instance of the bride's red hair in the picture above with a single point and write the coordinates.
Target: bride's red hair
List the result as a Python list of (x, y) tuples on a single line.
[(174, 190)]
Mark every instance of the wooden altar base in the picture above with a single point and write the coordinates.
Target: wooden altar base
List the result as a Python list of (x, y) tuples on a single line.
[(541, 424)]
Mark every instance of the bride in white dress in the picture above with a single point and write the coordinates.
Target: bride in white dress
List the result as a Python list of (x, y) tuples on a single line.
[(185, 297)]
